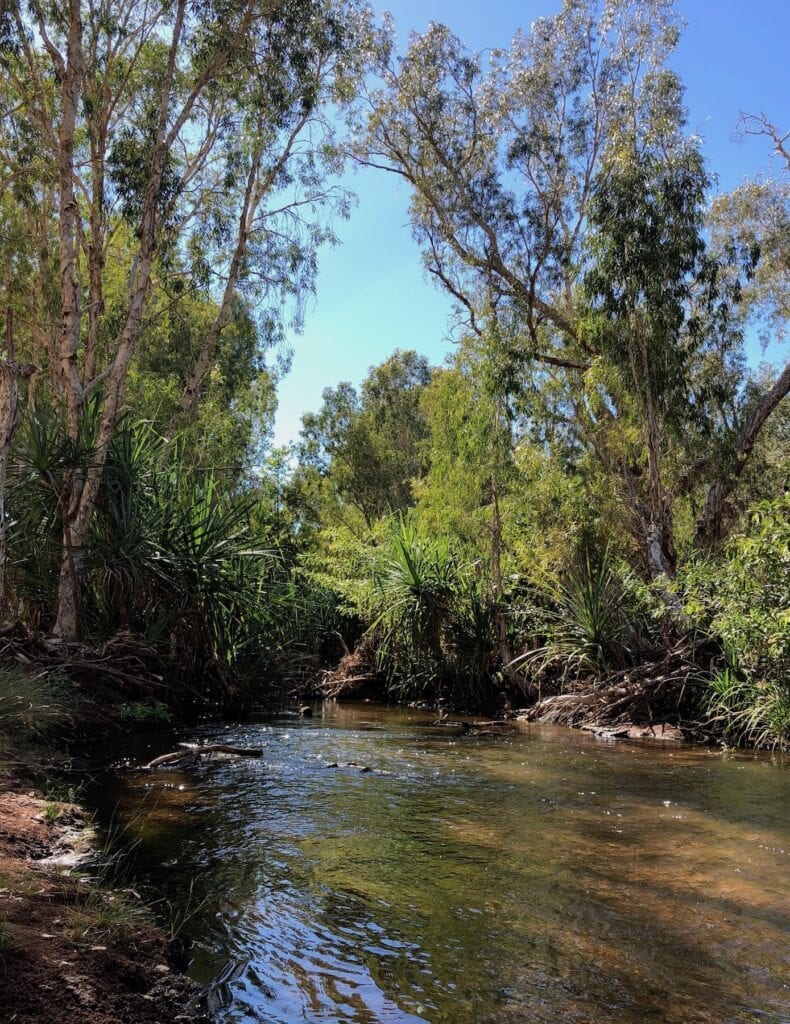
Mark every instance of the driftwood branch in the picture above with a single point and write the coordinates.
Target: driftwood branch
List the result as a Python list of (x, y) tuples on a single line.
[(194, 753)]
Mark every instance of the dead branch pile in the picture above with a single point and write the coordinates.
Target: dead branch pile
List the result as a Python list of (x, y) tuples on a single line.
[(126, 662), (125, 668), (354, 673), (664, 690)]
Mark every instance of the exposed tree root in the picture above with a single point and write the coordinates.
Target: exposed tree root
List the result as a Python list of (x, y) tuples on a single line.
[(661, 691), (355, 673)]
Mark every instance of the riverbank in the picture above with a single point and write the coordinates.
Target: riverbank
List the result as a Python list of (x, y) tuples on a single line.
[(679, 693), (73, 949)]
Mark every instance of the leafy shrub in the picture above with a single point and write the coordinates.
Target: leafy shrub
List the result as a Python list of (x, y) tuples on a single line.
[(414, 582), (743, 596)]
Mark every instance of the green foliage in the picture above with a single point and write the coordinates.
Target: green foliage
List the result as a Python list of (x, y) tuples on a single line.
[(743, 596), (749, 712), (593, 616), (646, 221), (433, 621), (470, 646), (413, 581), (116, 914), (51, 813), (468, 445), (522, 496), (366, 445), (742, 599), (176, 556)]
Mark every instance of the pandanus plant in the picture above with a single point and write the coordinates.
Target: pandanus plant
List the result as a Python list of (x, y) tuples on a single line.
[(415, 581), (588, 618)]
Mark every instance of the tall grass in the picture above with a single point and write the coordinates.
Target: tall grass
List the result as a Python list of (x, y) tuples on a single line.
[(748, 712), (33, 705)]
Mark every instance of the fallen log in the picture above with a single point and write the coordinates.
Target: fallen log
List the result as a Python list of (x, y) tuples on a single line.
[(196, 752), (604, 733)]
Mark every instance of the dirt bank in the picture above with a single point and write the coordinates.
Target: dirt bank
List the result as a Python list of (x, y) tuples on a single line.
[(74, 951)]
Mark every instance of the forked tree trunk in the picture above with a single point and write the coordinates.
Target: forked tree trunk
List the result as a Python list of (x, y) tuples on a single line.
[(255, 191), (712, 523)]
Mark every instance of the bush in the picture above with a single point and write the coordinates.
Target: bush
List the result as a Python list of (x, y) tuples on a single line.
[(748, 712), (414, 581), (743, 596), (742, 599)]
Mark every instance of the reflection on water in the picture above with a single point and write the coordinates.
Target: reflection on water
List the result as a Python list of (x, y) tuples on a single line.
[(542, 877)]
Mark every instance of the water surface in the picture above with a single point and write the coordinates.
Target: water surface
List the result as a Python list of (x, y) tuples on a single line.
[(542, 877)]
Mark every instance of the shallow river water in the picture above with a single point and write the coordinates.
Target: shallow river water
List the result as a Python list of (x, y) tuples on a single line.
[(542, 877)]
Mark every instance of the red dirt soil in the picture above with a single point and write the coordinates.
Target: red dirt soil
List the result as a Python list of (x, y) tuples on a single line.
[(58, 963)]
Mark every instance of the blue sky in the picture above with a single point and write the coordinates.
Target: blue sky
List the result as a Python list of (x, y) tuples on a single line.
[(373, 296)]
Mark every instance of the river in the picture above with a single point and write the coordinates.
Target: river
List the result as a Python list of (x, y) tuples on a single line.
[(546, 876)]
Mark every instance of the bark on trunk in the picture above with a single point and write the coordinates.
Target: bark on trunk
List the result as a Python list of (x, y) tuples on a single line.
[(68, 213), (661, 554), (96, 252)]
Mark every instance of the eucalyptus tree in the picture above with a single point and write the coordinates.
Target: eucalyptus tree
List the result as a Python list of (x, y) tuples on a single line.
[(646, 234), (505, 156), (367, 444), (198, 126), (470, 411), (754, 218)]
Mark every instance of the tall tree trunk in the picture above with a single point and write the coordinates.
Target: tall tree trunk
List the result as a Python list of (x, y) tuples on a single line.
[(72, 75), (256, 188), (96, 253), (661, 555), (505, 654), (82, 499)]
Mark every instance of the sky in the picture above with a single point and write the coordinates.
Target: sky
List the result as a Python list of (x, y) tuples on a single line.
[(373, 295)]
